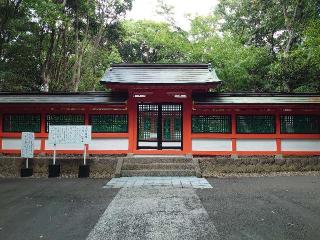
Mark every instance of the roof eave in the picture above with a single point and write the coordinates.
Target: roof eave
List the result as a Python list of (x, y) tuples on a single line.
[(265, 103), (137, 83)]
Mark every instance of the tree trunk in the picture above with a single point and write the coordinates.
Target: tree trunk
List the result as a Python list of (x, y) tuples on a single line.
[(76, 61), (77, 73), (62, 73), (5, 18), (45, 71), (290, 24), (80, 49)]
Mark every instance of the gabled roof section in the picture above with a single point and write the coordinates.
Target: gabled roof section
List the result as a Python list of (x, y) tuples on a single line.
[(64, 98), (255, 98), (160, 74)]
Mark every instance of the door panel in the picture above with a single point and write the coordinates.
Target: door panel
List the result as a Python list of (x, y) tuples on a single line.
[(148, 126), (159, 126), (171, 126)]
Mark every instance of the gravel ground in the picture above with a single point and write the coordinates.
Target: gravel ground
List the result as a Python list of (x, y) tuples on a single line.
[(271, 174)]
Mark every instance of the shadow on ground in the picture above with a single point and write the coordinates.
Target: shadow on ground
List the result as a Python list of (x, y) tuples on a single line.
[(264, 207), (51, 208)]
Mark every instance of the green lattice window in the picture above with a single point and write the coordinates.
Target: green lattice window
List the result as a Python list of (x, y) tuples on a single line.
[(166, 129), (22, 123), (64, 119), (177, 128), (109, 123), (300, 124), (256, 124), (171, 128), (211, 124)]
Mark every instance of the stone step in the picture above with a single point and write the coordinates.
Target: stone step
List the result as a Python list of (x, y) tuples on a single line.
[(168, 166), (157, 172), (155, 155), (142, 160)]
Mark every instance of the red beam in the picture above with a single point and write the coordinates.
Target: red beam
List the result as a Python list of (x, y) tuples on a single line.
[(1, 131)]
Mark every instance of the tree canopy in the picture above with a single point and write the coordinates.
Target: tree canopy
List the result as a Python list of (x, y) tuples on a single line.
[(66, 45)]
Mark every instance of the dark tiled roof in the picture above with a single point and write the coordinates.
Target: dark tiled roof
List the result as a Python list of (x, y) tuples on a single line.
[(160, 74), (255, 98), (69, 98), (120, 98)]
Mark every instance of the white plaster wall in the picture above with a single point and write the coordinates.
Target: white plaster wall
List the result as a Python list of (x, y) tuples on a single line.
[(300, 144), (96, 144), (64, 146), (155, 144), (109, 144), (171, 144), (256, 145), (148, 144), (15, 144), (211, 145)]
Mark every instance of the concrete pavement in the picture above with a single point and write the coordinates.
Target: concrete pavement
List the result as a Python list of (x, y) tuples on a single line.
[(235, 208), (268, 208), (54, 209), (159, 213)]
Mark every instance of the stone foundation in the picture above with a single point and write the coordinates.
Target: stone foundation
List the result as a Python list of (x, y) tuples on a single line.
[(217, 165), (100, 166), (104, 166)]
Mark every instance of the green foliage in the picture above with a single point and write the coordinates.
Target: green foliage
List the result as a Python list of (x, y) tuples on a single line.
[(52, 45), (92, 76), (67, 45), (204, 27), (241, 68), (151, 42), (280, 26)]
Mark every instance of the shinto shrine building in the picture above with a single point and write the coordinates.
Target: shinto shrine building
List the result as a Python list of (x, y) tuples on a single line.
[(166, 109)]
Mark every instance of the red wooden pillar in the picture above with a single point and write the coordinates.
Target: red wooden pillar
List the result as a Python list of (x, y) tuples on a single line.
[(1, 123), (234, 132), (43, 132), (131, 106), (86, 116), (278, 132), (187, 109)]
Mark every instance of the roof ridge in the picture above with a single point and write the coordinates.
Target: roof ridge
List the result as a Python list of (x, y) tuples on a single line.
[(161, 65), (161, 73)]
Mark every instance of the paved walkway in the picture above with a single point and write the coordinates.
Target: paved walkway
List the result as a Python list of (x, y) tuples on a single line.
[(154, 213), (176, 182)]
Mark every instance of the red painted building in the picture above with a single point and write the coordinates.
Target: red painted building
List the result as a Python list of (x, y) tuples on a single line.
[(167, 109)]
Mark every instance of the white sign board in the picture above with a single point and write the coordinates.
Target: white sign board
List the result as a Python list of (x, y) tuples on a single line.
[(72, 134), (27, 144)]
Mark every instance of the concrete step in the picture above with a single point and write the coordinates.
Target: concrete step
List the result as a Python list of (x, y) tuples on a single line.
[(142, 160), (165, 166), (157, 172)]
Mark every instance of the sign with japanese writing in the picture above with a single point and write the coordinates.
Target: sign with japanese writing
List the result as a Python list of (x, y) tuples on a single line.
[(71, 134), (27, 144)]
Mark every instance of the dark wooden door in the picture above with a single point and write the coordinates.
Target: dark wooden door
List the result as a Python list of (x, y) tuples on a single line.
[(159, 126)]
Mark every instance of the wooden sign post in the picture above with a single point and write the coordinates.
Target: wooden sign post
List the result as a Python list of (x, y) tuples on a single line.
[(54, 153), (27, 150), (85, 155)]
